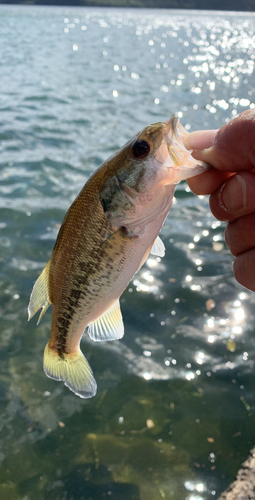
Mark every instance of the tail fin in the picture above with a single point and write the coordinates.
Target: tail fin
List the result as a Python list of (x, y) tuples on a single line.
[(73, 369)]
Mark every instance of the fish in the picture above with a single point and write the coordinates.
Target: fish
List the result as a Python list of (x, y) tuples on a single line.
[(106, 236)]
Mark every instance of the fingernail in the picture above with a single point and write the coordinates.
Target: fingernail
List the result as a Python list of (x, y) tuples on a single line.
[(233, 193), (201, 139)]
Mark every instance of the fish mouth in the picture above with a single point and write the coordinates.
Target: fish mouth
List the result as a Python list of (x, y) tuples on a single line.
[(174, 134), (174, 127), (179, 156)]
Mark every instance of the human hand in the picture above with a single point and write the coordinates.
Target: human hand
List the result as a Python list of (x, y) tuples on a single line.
[(231, 184)]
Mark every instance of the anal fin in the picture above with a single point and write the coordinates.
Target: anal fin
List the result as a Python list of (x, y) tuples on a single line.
[(40, 296), (109, 326)]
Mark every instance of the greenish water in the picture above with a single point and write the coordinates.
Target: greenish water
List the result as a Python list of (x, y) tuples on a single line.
[(174, 414)]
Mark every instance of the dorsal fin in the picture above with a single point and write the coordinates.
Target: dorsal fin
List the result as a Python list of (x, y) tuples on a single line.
[(109, 326), (40, 296)]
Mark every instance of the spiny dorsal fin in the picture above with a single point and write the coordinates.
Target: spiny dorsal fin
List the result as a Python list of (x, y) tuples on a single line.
[(109, 326), (40, 296), (158, 247), (73, 369)]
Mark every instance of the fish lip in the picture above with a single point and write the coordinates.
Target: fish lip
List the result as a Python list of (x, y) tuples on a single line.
[(174, 130), (174, 120), (170, 125), (174, 134), (180, 158)]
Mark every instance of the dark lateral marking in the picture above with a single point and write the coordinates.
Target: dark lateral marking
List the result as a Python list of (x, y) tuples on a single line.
[(82, 266), (63, 326), (64, 321)]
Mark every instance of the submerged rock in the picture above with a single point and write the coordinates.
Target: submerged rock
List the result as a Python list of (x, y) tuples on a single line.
[(130, 468), (243, 488)]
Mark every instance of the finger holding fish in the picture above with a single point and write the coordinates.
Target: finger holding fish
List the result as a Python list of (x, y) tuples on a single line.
[(231, 184), (106, 236), (228, 150)]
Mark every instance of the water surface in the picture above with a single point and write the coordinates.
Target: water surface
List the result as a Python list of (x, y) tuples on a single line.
[(174, 413)]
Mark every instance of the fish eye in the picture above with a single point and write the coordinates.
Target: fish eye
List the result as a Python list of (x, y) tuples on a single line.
[(141, 149)]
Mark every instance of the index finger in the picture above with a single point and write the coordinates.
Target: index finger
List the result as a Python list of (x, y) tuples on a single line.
[(229, 149)]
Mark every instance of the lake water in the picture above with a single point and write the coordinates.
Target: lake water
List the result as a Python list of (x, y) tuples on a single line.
[(174, 414)]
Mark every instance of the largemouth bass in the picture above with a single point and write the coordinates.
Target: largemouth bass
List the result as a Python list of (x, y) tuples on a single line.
[(106, 236)]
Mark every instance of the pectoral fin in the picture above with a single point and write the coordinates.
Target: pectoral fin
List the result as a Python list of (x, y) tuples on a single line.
[(109, 326), (158, 247), (40, 296)]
